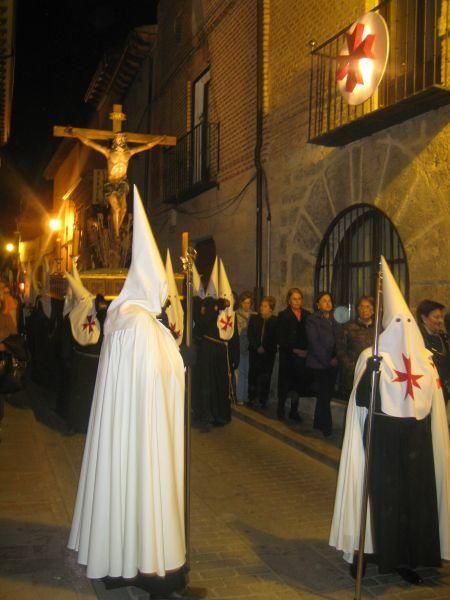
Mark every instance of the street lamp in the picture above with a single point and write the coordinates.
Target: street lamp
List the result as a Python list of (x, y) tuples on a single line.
[(10, 247), (54, 224)]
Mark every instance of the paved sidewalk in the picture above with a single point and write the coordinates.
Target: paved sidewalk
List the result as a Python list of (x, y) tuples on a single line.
[(261, 512)]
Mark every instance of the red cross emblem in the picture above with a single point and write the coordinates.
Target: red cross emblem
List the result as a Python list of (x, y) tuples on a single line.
[(348, 64), (409, 377), (173, 329), (438, 380), (226, 322), (90, 324)]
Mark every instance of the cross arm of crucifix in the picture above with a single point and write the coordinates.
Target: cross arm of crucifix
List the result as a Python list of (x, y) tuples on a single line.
[(87, 142), (147, 146), (98, 134)]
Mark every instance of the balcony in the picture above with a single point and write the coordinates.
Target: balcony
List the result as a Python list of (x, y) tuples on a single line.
[(416, 78), (191, 167)]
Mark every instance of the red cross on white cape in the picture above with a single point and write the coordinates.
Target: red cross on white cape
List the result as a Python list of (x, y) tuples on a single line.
[(226, 318), (408, 381), (84, 324)]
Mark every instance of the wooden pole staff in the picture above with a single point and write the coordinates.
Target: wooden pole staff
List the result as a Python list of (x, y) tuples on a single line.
[(188, 259), (373, 395)]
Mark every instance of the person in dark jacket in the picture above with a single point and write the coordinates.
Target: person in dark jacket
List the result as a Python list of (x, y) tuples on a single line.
[(262, 346), (293, 346), (354, 337), (322, 332), (430, 318)]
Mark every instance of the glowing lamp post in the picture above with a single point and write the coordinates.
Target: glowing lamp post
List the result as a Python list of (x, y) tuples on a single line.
[(10, 248)]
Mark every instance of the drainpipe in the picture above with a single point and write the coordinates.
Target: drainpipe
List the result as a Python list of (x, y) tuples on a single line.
[(258, 149)]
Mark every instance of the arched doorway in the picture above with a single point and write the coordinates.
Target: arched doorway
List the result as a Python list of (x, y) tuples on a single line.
[(349, 254)]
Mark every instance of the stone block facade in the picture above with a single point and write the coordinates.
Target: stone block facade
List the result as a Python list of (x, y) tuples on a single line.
[(402, 170)]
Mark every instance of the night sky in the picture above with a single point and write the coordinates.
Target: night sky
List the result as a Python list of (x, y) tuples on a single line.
[(58, 46)]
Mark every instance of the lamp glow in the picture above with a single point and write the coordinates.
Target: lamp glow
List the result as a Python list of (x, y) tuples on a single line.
[(54, 224), (10, 247)]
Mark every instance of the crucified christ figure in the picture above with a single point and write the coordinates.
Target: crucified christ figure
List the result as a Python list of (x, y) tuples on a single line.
[(117, 157)]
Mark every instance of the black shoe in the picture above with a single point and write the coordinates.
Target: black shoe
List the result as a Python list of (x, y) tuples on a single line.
[(295, 417), (354, 566), (410, 576), (189, 593), (280, 415), (327, 432), (114, 583)]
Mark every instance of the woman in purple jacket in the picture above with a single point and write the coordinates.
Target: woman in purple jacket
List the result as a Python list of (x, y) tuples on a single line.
[(322, 331)]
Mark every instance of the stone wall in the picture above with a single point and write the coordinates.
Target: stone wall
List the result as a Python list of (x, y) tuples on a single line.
[(403, 171)]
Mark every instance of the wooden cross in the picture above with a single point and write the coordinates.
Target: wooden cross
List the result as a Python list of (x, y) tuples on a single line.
[(117, 116)]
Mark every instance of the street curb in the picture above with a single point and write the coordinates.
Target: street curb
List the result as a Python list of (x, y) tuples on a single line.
[(314, 447)]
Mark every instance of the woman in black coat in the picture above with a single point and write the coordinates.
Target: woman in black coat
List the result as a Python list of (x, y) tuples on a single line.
[(354, 337), (293, 378), (262, 346), (430, 317), (322, 331)]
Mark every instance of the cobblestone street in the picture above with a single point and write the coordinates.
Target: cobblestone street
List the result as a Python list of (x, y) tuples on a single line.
[(260, 520)]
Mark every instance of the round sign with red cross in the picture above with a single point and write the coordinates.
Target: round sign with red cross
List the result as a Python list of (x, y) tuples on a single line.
[(362, 61)]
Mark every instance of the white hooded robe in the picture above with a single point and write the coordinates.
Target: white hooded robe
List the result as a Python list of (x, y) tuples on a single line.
[(129, 512)]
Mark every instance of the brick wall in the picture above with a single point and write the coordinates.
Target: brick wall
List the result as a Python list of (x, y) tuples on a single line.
[(401, 170)]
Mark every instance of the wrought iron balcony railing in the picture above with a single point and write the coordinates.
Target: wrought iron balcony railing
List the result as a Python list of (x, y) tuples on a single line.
[(191, 167), (415, 80)]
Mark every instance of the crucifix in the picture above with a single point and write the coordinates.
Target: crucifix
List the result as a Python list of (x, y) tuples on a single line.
[(117, 156)]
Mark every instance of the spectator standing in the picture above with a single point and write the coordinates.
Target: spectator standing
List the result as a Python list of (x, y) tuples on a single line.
[(293, 346), (7, 327), (430, 317), (354, 337), (243, 314), (262, 344), (322, 332), (10, 305)]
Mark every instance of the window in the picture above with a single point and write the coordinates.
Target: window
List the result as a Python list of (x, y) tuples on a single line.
[(200, 127), (348, 259)]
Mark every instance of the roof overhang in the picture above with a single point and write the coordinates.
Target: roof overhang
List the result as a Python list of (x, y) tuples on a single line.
[(119, 67)]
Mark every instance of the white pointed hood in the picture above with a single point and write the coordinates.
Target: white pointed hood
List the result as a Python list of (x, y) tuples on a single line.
[(408, 377), (197, 285), (28, 284), (212, 291), (224, 284), (69, 299), (84, 324), (226, 318), (146, 283), (46, 301), (174, 311)]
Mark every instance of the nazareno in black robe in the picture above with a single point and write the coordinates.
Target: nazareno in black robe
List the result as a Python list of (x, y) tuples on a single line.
[(402, 489), (216, 362)]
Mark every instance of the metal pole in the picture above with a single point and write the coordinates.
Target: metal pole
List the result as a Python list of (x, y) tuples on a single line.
[(373, 394), (258, 149), (188, 260)]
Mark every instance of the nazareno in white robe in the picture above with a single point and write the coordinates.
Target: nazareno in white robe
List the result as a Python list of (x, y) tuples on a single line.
[(129, 512), (345, 526)]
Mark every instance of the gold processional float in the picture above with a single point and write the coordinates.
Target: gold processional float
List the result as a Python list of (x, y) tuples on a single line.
[(111, 239)]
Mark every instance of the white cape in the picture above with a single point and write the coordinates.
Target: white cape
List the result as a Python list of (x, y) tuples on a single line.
[(129, 512), (347, 508)]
